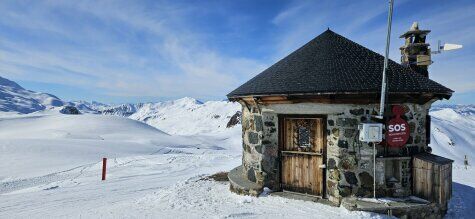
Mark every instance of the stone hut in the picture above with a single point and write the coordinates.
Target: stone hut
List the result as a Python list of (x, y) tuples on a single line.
[(300, 121)]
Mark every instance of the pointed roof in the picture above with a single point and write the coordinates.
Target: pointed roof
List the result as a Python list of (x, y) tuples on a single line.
[(333, 64)]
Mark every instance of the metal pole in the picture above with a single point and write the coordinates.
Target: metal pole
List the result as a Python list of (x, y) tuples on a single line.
[(374, 170), (383, 88), (388, 40)]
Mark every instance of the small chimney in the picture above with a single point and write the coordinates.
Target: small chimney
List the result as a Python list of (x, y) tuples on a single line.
[(415, 53)]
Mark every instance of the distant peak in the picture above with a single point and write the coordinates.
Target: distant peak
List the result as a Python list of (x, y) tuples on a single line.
[(188, 100), (8, 83)]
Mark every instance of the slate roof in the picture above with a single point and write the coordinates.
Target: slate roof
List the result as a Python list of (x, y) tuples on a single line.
[(333, 64)]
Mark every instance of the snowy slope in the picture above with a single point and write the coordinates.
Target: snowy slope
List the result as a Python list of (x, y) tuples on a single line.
[(453, 132), (185, 116), (51, 165), (14, 98)]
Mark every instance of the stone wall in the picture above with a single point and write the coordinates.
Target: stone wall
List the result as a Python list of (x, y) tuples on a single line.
[(260, 147), (349, 162)]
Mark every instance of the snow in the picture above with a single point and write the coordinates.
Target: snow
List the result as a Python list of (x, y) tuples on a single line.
[(185, 116), (158, 156)]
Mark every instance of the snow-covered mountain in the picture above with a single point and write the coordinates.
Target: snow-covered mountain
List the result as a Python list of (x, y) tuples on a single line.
[(453, 132), (185, 116), (464, 110), (14, 98), (88, 107), (124, 110)]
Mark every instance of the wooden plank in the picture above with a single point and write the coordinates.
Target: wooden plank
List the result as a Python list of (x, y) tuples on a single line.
[(318, 135)]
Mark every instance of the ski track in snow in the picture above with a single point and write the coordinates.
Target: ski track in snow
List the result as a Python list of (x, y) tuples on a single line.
[(165, 186)]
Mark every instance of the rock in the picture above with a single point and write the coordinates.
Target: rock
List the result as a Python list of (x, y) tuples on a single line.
[(269, 124), (331, 186), (335, 174), (366, 180), (350, 178), (357, 112), (349, 133), (268, 165), (347, 122), (342, 144), (331, 122), (251, 175), (417, 140), (348, 163), (412, 127), (258, 123), (410, 140), (345, 191), (253, 137), (331, 163), (363, 119), (235, 119), (260, 177), (258, 148), (364, 164), (70, 110), (246, 148), (364, 192), (336, 132)]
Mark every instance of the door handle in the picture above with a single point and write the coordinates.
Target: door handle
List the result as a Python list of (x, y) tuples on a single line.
[(322, 166)]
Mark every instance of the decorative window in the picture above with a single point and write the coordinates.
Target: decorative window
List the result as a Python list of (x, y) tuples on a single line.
[(304, 136)]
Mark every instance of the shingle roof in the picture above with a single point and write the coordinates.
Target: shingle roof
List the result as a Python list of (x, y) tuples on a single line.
[(331, 63)]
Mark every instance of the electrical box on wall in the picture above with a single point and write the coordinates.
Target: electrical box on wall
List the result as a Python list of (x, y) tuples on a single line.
[(371, 132)]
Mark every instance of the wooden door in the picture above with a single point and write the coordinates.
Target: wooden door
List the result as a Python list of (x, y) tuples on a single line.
[(302, 154)]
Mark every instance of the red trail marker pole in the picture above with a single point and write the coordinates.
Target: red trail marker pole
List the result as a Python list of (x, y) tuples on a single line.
[(104, 166)]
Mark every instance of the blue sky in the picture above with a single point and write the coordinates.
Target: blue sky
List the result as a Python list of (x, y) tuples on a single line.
[(135, 51)]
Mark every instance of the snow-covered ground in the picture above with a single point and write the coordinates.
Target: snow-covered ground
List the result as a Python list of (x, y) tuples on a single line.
[(51, 167)]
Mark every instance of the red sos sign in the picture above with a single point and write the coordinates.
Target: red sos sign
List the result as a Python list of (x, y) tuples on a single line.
[(397, 132)]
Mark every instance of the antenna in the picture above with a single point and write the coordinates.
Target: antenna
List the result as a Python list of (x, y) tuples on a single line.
[(446, 47)]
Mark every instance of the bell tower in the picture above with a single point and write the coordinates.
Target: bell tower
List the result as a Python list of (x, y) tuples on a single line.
[(416, 52)]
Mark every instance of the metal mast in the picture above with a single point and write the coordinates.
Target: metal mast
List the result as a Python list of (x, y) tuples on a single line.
[(383, 88), (388, 40)]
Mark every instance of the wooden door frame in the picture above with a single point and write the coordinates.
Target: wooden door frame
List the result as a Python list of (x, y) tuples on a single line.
[(281, 118)]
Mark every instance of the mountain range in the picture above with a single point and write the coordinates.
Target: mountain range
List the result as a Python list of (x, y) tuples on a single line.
[(452, 129), (14, 98)]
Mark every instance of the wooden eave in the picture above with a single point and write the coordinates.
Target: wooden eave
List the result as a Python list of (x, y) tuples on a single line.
[(340, 98)]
